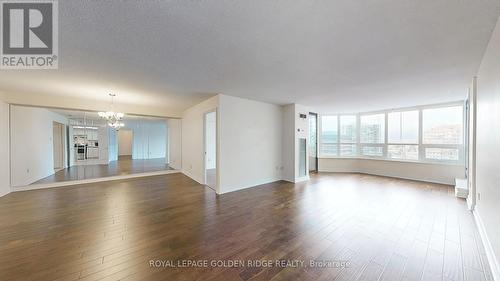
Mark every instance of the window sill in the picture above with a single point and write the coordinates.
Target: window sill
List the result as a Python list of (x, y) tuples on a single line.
[(458, 163)]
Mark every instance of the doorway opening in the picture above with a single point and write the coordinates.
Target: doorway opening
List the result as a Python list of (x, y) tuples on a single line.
[(125, 143), (58, 145), (210, 147), (313, 142)]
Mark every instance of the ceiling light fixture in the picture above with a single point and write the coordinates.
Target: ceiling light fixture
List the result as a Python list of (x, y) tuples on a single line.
[(114, 118)]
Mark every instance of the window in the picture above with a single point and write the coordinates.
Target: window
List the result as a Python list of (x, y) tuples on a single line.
[(403, 129), (348, 150), (348, 135), (443, 125), (409, 152), (442, 131), (430, 134), (376, 151), (348, 129), (372, 131), (372, 128), (329, 135), (441, 153)]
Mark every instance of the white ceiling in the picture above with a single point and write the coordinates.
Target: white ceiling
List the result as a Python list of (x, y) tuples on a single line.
[(336, 55)]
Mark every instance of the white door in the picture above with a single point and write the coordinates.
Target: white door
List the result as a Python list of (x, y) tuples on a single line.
[(125, 139), (210, 161), (58, 145)]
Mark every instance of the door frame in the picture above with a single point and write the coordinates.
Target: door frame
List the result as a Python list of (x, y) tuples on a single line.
[(316, 143), (217, 158), (471, 107)]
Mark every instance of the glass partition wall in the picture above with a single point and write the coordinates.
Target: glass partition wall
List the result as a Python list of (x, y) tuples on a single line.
[(54, 145)]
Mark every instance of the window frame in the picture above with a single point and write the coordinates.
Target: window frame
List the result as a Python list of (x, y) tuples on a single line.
[(320, 140), (340, 142), (460, 147), (421, 146), (383, 144), (419, 134)]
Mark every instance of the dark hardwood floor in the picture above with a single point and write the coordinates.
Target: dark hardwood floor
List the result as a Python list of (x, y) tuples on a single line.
[(385, 229)]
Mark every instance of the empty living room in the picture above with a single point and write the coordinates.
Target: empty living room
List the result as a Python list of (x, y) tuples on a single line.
[(250, 140)]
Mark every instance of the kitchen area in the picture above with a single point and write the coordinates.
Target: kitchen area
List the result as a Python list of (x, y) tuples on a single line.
[(88, 142), (85, 143)]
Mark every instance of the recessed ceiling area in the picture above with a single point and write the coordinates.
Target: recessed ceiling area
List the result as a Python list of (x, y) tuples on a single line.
[(329, 55)]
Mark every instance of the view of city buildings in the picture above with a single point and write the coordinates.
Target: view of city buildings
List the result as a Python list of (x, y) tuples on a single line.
[(439, 142)]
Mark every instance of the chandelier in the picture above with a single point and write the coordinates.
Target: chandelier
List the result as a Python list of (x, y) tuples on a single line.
[(114, 118)]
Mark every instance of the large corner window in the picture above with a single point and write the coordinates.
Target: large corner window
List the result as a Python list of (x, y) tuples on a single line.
[(329, 135), (372, 135), (402, 135), (339, 135), (442, 133), (348, 135), (425, 134)]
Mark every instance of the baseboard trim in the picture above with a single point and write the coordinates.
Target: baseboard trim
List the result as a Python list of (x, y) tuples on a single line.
[(388, 176), (490, 254), (301, 179), (104, 179), (470, 203), (4, 193), (193, 177), (250, 185)]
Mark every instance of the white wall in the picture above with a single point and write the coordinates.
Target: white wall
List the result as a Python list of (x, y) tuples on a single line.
[(192, 138), (288, 144), (174, 143), (301, 132), (31, 143), (250, 143), (430, 172), (294, 128), (252, 149), (488, 150), (4, 150)]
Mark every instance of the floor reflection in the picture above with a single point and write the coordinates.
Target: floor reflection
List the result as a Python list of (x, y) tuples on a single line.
[(124, 166)]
